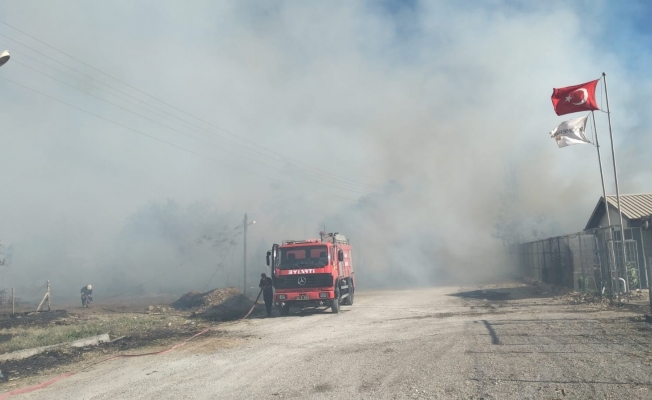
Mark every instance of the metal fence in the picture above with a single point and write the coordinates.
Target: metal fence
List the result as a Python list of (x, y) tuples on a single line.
[(13, 299), (588, 261)]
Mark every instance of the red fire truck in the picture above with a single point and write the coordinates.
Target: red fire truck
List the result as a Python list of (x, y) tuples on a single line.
[(314, 272)]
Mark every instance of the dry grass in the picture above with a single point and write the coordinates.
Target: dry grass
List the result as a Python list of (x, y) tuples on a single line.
[(122, 319), (70, 329)]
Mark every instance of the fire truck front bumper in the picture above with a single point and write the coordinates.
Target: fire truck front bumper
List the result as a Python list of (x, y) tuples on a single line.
[(323, 296)]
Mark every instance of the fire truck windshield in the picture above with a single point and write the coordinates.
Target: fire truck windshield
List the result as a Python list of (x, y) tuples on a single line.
[(302, 257)]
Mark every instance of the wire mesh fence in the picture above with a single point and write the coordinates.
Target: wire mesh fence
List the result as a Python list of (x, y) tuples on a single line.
[(21, 299), (589, 261)]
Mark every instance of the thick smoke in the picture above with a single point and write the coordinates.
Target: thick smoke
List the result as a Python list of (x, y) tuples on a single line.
[(440, 110)]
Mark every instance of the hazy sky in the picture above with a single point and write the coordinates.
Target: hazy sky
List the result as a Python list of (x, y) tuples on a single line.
[(424, 105)]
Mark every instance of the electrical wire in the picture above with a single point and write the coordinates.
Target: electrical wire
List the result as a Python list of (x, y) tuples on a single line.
[(156, 138), (91, 84), (154, 279), (166, 126), (284, 158), (173, 129), (338, 186), (220, 265), (170, 270)]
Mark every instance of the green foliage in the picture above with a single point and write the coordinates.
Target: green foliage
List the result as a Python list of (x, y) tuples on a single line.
[(632, 275)]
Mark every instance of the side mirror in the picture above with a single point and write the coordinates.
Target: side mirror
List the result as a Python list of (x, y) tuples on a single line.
[(269, 254), (340, 255)]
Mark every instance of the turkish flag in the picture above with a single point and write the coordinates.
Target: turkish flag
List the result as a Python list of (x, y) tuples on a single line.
[(576, 98)]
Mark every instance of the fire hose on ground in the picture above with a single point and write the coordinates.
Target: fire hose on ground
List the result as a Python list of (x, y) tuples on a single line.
[(47, 383), (67, 374), (255, 302)]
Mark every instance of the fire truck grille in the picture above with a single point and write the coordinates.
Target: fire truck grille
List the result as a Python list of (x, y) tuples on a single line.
[(297, 281)]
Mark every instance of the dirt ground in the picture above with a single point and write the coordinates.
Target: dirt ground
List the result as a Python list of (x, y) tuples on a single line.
[(146, 323), (507, 341)]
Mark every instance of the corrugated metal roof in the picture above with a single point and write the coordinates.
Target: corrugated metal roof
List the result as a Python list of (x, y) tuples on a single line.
[(634, 206)]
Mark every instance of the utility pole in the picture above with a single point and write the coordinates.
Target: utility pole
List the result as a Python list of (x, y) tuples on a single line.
[(246, 223), (244, 289)]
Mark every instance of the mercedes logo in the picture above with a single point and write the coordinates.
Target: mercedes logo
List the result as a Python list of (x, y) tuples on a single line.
[(302, 280)]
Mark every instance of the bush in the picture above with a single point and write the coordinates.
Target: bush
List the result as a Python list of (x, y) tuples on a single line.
[(632, 275)]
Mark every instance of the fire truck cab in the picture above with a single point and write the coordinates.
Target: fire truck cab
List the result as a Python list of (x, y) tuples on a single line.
[(313, 272)]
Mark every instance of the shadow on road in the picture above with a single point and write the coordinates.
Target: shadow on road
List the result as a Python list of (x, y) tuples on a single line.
[(309, 311), (513, 293), (492, 332), (305, 312)]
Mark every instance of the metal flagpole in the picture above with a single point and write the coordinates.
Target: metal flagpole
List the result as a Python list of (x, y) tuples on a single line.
[(613, 155), (244, 281), (604, 196)]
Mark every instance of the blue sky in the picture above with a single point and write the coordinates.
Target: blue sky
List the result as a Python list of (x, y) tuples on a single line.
[(627, 32)]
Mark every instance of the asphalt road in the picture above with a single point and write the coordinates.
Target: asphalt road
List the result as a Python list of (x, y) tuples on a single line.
[(448, 343)]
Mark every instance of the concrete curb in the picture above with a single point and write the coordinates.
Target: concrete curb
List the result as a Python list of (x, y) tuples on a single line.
[(89, 341)]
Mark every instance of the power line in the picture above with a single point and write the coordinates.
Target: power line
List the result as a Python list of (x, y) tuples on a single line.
[(166, 126), (220, 265), (165, 114), (170, 270), (68, 66), (283, 157), (34, 59), (121, 125), (154, 137), (154, 279)]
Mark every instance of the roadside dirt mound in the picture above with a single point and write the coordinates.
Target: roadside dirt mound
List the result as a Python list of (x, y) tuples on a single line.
[(218, 304)]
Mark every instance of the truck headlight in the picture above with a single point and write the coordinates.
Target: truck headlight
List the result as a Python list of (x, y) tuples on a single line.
[(281, 297), (323, 295)]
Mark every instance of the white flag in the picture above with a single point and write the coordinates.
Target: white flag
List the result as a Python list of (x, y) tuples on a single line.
[(570, 132)]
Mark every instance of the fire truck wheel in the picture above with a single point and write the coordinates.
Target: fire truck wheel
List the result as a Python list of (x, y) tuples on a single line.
[(348, 300), (285, 310), (351, 292), (335, 306)]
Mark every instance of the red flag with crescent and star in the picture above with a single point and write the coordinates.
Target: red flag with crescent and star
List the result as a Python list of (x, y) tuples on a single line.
[(576, 98)]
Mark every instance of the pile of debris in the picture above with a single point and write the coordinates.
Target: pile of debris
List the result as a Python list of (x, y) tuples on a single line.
[(224, 304), (639, 294), (585, 298)]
